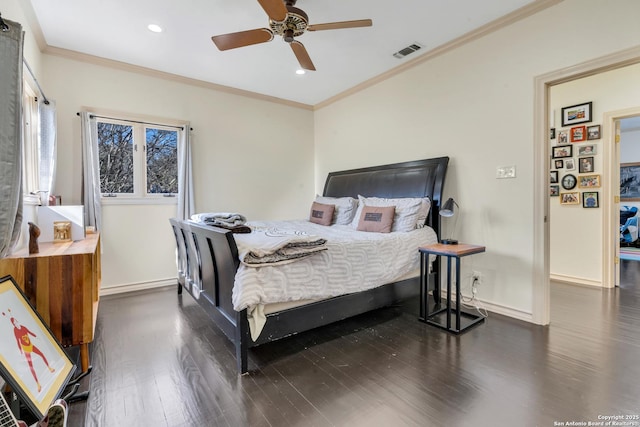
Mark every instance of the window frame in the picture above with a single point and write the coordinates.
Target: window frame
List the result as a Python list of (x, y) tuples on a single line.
[(30, 145), (139, 124)]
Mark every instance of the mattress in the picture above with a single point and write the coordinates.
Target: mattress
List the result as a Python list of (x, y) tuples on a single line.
[(354, 261)]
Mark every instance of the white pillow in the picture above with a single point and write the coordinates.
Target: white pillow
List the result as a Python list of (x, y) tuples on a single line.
[(423, 213), (345, 208), (406, 214)]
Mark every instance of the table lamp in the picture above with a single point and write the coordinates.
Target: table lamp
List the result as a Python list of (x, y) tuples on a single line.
[(448, 211)]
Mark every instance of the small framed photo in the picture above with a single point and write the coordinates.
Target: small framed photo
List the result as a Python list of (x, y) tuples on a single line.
[(590, 199), (586, 150), (561, 151), (554, 190), (570, 198), (553, 178), (593, 132), (552, 133), (589, 181), (569, 182), (563, 137), (578, 134), (570, 164), (585, 165), (580, 113), (558, 163)]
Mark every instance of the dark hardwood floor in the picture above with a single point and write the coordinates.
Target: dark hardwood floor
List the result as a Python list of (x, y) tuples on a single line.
[(158, 361)]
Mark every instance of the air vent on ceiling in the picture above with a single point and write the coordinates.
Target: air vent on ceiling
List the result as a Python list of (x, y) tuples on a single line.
[(407, 51)]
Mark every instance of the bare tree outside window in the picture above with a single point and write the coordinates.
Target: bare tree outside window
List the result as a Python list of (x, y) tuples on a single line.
[(162, 164), (115, 143)]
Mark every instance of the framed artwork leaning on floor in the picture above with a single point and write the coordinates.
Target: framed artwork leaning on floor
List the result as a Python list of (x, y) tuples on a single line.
[(32, 361)]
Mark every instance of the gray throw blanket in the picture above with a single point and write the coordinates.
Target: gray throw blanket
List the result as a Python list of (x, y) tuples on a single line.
[(220, 219)]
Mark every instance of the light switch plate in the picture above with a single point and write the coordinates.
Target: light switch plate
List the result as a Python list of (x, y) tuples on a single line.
[(505, 172)]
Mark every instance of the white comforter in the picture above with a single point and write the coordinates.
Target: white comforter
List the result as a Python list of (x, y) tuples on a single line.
[(354, 261)]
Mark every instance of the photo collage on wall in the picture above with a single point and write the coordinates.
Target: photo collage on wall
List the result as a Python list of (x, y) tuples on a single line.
[(574, 147)]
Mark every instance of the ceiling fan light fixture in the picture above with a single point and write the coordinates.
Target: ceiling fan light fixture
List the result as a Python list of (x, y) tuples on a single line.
[(155, 28), (288, 36)]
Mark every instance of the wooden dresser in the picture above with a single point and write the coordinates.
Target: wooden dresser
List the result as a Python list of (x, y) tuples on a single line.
[(62, 282)]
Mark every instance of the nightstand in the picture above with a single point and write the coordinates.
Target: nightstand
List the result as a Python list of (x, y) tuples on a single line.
[(441, 316)]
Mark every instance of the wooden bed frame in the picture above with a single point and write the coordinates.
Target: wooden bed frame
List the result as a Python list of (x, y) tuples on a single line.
[(208, 258)]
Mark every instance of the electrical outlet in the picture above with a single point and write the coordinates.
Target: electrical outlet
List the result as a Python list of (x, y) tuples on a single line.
[(476, 277)]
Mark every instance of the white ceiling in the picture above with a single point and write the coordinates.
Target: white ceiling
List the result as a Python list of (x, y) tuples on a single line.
[(117, 30)]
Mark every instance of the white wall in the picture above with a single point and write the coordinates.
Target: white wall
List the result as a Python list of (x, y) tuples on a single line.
[(250, 156), (475, 104), (630, 144), (576, 233), (14, 10)]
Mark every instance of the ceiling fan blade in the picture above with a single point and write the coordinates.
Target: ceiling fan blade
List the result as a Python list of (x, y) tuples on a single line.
[(275, 9), (339, 25), (242, 38), (302, 55)]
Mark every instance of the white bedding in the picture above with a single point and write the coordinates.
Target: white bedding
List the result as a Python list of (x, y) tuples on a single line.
[(354, 261)]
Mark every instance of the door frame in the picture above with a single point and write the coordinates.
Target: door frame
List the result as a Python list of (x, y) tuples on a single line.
[(541, 298)]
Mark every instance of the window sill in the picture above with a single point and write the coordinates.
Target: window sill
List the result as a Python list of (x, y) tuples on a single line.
[(139, 200)]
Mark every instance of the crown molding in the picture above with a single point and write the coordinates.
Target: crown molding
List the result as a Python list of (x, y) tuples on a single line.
[(110, 63)]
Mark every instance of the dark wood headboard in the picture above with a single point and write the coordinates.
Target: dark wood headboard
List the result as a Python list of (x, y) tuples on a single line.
[(419, 178)]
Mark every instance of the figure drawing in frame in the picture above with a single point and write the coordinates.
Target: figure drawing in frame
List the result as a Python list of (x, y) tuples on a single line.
[(27, 346), (32, 362)]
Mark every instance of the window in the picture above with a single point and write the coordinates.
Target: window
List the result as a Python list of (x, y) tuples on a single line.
[(137, 160), (30, 162)]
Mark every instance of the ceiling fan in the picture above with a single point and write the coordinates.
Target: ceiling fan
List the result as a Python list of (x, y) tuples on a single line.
[(287, 21)]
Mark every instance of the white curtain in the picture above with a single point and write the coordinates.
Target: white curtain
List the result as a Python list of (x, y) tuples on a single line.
[(11, 45), (90, 171), (185, 175), (47, 147)]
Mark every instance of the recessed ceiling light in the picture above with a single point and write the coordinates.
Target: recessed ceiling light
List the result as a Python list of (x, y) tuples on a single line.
[(300, 71), (155, 28)]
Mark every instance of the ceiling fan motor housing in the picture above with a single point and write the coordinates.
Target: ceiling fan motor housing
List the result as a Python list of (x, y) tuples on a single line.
[(294, 25)]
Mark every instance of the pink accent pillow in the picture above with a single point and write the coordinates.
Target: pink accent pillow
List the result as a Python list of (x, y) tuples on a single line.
[(321, 214), (378, 219)]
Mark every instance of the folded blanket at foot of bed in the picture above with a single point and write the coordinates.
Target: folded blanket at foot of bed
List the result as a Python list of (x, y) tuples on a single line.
[(272, 246), (220, 219)]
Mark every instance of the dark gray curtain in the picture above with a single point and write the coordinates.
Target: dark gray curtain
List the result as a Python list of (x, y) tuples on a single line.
[(11, 44)]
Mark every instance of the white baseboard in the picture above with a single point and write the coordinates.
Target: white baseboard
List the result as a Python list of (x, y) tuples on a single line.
[(497, 308), (572, 280), (131, 287)]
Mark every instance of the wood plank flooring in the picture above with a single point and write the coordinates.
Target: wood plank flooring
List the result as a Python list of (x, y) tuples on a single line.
[(158, 361)]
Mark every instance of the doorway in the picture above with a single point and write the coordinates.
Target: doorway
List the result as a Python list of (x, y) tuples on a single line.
[(542, 124), (629, 162)]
